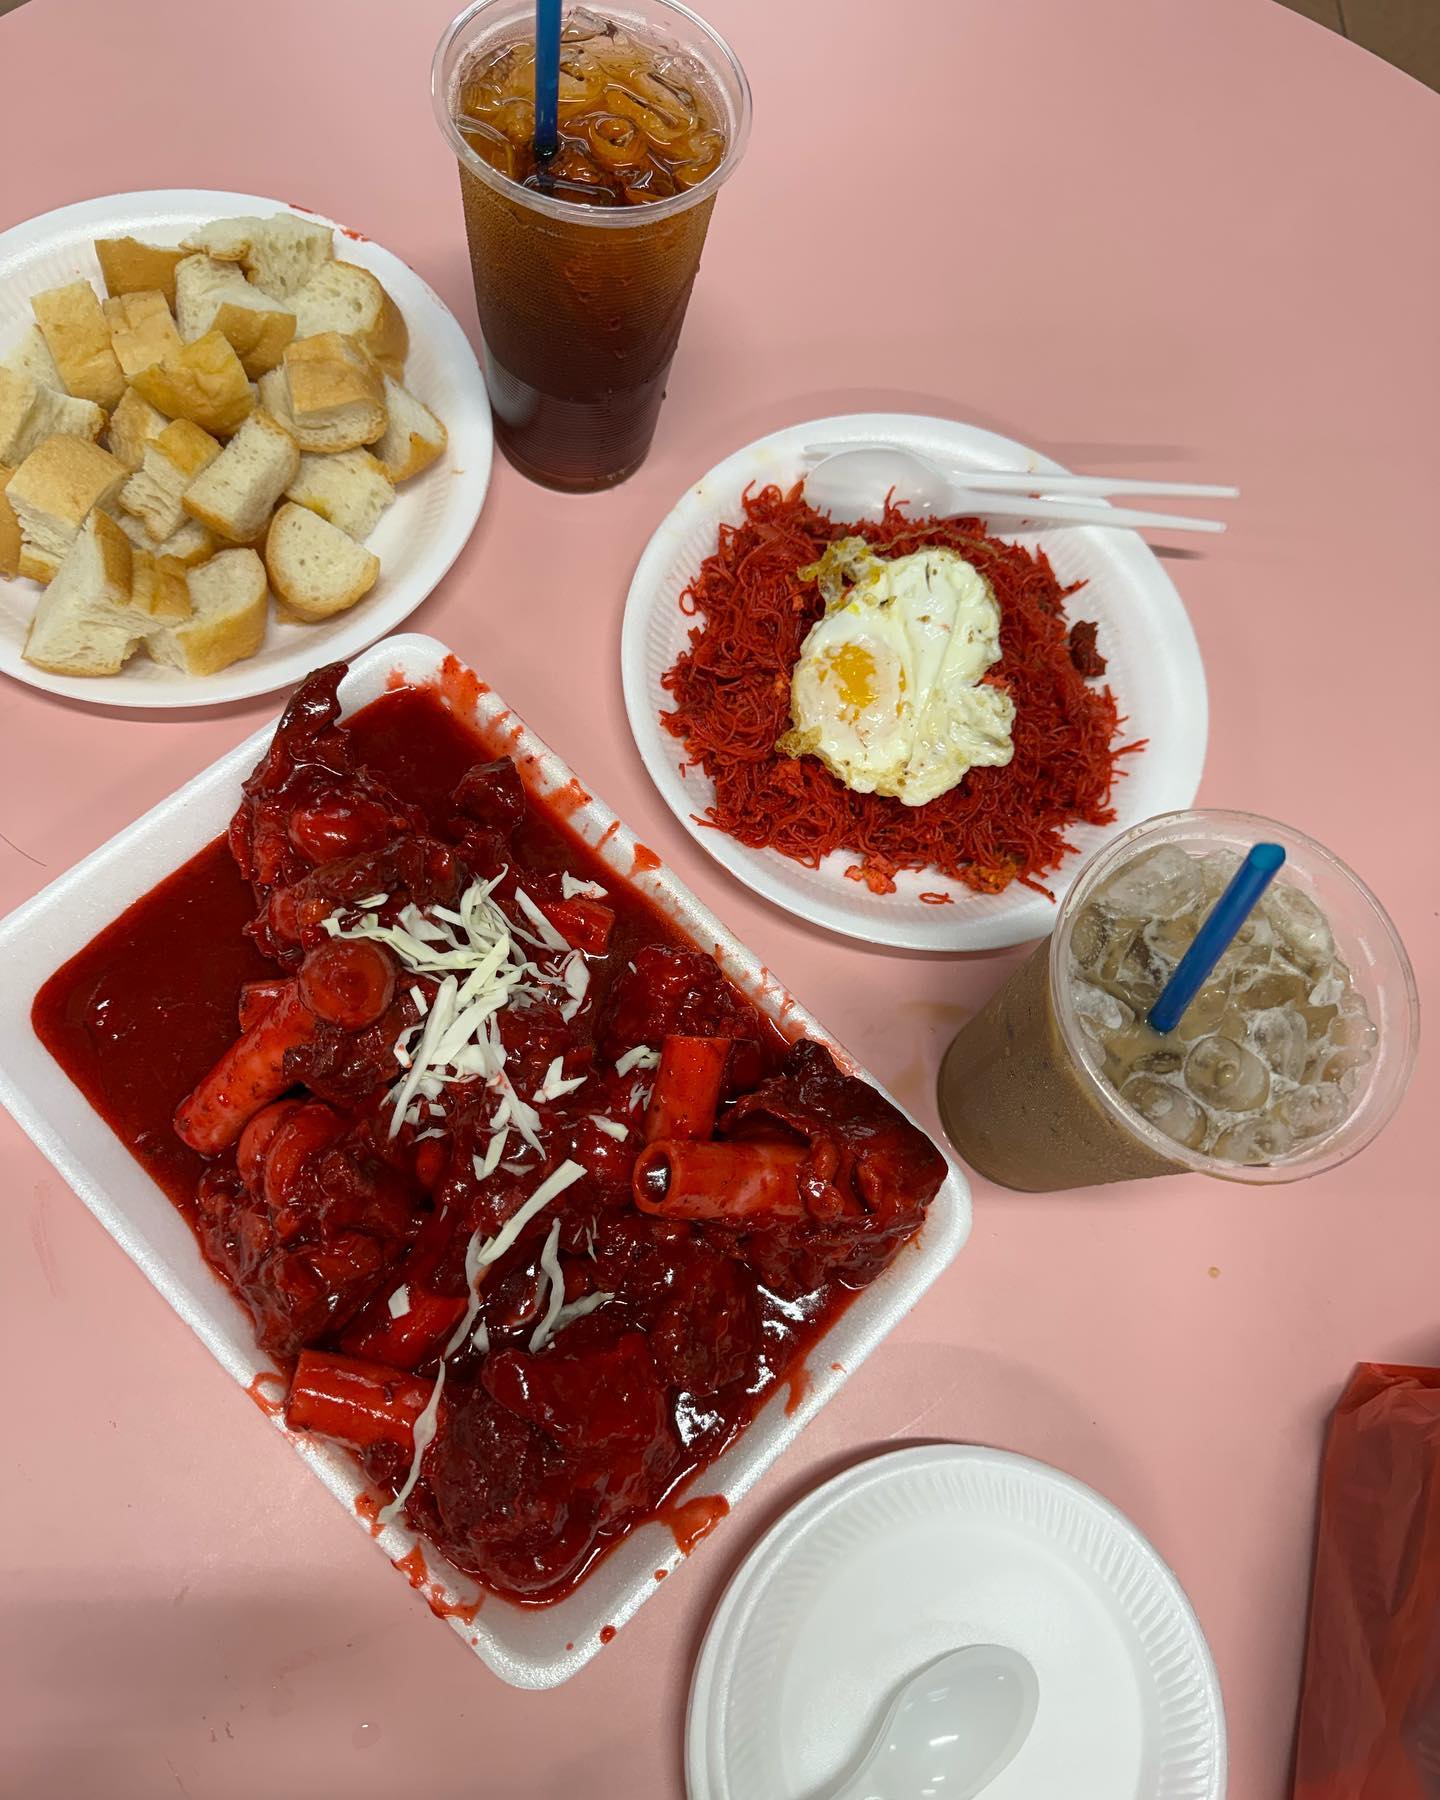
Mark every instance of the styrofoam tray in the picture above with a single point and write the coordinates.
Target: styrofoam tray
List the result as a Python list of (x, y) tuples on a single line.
[(1145, 633), (418, 537), (912, 1554), (529, 1647)]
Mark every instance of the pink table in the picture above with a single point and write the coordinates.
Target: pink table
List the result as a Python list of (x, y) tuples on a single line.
[(1172, 240)]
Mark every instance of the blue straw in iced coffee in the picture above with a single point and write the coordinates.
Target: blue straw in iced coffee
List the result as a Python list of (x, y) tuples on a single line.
[(547, 78), (1216, 934)]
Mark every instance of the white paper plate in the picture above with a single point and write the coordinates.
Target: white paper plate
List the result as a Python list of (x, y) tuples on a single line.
[(918, 1552), (417, 538), (527, 1646), (1155, 671)]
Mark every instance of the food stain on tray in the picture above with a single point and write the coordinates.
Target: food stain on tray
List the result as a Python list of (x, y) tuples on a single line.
[(267, 1389), (691, 1520)]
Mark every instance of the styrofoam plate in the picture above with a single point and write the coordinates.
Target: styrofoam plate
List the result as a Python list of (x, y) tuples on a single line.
[(418, 537), (916, 1553), (529, 1647), (1155, 671)]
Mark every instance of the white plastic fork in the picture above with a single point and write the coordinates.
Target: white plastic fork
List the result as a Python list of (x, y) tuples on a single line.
[(1040, 481), (852, 483)]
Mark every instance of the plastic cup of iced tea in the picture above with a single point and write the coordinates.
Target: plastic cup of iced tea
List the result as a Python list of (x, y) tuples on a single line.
[(583, 262), (1290, 1059)]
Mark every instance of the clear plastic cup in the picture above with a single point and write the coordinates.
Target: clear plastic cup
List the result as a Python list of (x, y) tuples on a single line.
[(1025, 1106), (581, 306)]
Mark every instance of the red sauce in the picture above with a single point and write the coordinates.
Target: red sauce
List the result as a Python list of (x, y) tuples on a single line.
[(461, 687), (645, 861), (798, 1382), (607, 1634), (368, 1508), (146, 1007), (271, 1404), (691, 1520), (412, 1566), (568, 800), (660, 1574), (587, 1437)]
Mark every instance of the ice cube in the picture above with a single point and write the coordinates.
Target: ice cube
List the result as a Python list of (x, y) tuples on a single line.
[(1279, 1036), (1309, 1111), (1252, 947), (1204, 1013), (1348, 1044), (1259, 988), (1262, 1140), (1330, 985), (1159, 1062), (1300, 925), (1225, 1075), (1090, 936), (1169, 939), (1159, 884), (1216, 871), (1141, 973), (1097, 1010), (1169, 1109)]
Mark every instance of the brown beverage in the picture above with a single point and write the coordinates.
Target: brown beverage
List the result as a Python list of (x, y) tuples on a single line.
[(583, 263), (1290, 1058)]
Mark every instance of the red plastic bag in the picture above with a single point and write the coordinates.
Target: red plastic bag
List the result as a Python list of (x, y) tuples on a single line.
[(1370, 1705)]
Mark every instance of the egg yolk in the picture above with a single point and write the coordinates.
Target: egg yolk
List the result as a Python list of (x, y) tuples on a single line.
[(854, 669)]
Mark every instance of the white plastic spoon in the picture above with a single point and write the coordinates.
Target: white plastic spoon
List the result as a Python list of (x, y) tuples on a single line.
[(853, 484), (950, 1730)]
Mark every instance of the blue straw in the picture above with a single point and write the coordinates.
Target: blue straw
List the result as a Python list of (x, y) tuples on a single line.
[(1215, 936), (547, 78)]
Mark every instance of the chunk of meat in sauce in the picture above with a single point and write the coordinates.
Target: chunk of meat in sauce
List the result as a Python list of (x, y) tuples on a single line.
[(672, 991), (313, 831), (308, 1221), (866, 1179), (544, 1456)]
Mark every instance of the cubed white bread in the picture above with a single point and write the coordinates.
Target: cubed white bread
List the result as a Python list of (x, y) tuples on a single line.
[(31, 356), (332, 396), (30, 412), (53, 492), (85, 624), (133, 424), (158, 587), (315, 568), (350, 489), (154, 494), (78, 338), (343, 297), (227, 240), (236, 494), (204, 382), (413, 436), (211, 295), (9, 529), (227, 619), (285, 252), (130, 267), (141, 330), (191, 545)]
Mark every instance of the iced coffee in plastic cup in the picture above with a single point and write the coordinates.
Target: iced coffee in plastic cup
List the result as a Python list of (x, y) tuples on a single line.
[(583, 261), (1289, 1060)]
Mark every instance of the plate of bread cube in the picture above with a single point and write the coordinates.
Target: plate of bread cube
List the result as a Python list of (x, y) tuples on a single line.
[(237, 440)]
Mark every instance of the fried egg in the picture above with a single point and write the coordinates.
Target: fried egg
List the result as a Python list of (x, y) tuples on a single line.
[(886, 691)]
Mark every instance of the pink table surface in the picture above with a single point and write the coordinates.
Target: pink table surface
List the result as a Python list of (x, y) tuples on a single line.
[(1183, 240)]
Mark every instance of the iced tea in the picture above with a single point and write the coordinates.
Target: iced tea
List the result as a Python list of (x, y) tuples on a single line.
[(583, 261)]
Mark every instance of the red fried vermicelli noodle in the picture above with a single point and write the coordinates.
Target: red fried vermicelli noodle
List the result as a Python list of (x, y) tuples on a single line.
[(732, 701)]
